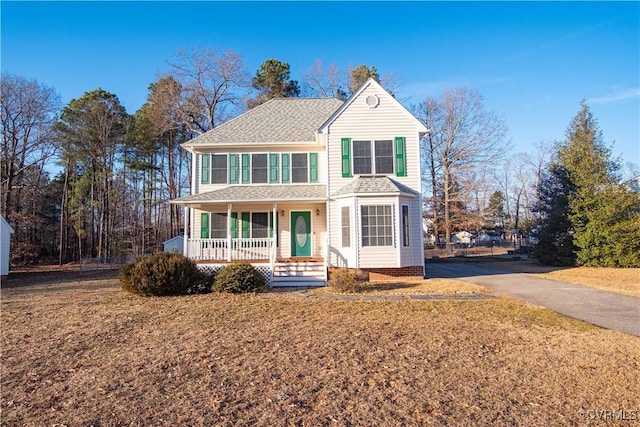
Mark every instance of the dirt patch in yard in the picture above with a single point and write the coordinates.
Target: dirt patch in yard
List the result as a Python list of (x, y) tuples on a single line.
[(82, 352)]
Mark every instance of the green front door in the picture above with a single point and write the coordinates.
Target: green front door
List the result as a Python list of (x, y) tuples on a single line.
[(301, 234)]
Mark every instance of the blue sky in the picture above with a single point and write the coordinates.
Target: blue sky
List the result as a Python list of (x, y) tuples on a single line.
[(532, 61)]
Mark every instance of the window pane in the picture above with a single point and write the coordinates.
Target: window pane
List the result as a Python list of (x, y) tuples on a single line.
[(405, 225), (259, 225), (299, 171), (377, 228), (346, 227), (218, 225), (361, 157), (219, 169), (259, 168), (384, 157)]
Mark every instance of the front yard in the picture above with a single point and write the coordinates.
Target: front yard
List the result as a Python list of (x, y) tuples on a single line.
[(85, 353)]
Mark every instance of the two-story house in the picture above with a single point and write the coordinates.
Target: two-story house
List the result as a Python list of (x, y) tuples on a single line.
[(297, 186)]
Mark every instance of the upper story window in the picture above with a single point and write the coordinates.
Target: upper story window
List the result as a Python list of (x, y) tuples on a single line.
[(259, 169), (219, 169), (373, 157), (299, 168)]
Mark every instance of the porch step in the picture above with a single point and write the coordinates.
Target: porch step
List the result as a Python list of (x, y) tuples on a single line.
[(299, 273)]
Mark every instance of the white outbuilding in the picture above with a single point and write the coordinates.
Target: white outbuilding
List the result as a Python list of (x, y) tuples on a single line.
[(175, 245), (5, 246)]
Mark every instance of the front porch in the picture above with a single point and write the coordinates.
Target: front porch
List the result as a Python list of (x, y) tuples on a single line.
[(286, 241)]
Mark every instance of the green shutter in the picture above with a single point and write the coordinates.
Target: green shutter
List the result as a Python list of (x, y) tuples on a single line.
[(245, 168), (346, 157), (270, 224), (273, 168), (233, 168), (246, 225), (204, 170), (234, 225), (313, 167), (285, 168), (204, 225), (401, 160)]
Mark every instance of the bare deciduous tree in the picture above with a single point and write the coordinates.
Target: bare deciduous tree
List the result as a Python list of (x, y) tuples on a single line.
[(464, 137), (211, 82), (323, 83), (28, 113)]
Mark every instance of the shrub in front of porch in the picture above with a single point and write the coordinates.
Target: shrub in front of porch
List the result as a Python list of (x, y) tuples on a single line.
[(164, 274), (347, 280), (239, 278)]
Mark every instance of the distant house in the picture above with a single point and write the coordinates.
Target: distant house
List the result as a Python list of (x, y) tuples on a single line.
[(5, 248), (463, 237), (297, 186)]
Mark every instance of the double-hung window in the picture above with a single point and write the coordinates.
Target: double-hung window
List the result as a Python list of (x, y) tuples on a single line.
[(299, 167), (259, 225), (405, 225), (383, 156), (259, 169), (218, 225), (219, 169), (362, 158), (373, 157), (346, 227), (377, 225)]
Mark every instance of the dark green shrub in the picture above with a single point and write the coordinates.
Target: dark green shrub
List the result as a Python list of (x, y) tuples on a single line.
[(239, 278), (346, 280), (164, 274)]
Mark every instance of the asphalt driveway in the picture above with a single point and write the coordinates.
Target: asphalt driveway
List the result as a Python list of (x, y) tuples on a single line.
[(606, 309)]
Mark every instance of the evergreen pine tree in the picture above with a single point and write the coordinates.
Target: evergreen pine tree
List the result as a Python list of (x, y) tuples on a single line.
[(605, 215)]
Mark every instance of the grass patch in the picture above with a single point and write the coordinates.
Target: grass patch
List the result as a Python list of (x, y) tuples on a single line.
[(86, 353)]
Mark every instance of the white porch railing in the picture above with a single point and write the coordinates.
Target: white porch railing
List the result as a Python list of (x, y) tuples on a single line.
[(240, 250)]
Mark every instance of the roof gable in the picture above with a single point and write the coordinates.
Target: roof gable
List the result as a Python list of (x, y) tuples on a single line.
[(371, 82), (279, 120)]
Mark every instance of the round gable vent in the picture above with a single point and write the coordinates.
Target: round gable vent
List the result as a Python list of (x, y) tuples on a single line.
[(372, 101)]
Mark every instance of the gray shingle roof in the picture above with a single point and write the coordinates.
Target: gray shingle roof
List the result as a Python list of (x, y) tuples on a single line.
[(258, 193), (275, 121), (374, 185)]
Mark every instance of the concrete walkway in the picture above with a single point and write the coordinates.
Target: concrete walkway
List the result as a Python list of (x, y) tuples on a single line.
[(606, 309)]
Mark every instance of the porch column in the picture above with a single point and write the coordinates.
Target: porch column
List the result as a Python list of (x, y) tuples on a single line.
[(185, 240), (273, 234), (229, 240)]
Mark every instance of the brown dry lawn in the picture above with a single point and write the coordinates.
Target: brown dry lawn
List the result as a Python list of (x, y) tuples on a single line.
[(82, 352)]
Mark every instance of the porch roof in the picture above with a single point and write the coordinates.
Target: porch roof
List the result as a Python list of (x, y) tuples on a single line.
[(373, 185), (258, 194)]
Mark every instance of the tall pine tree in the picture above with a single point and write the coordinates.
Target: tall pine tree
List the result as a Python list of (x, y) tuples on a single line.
[(603, 213)]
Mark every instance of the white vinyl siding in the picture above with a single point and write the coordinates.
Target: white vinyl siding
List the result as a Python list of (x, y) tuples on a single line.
[(386, 122)]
